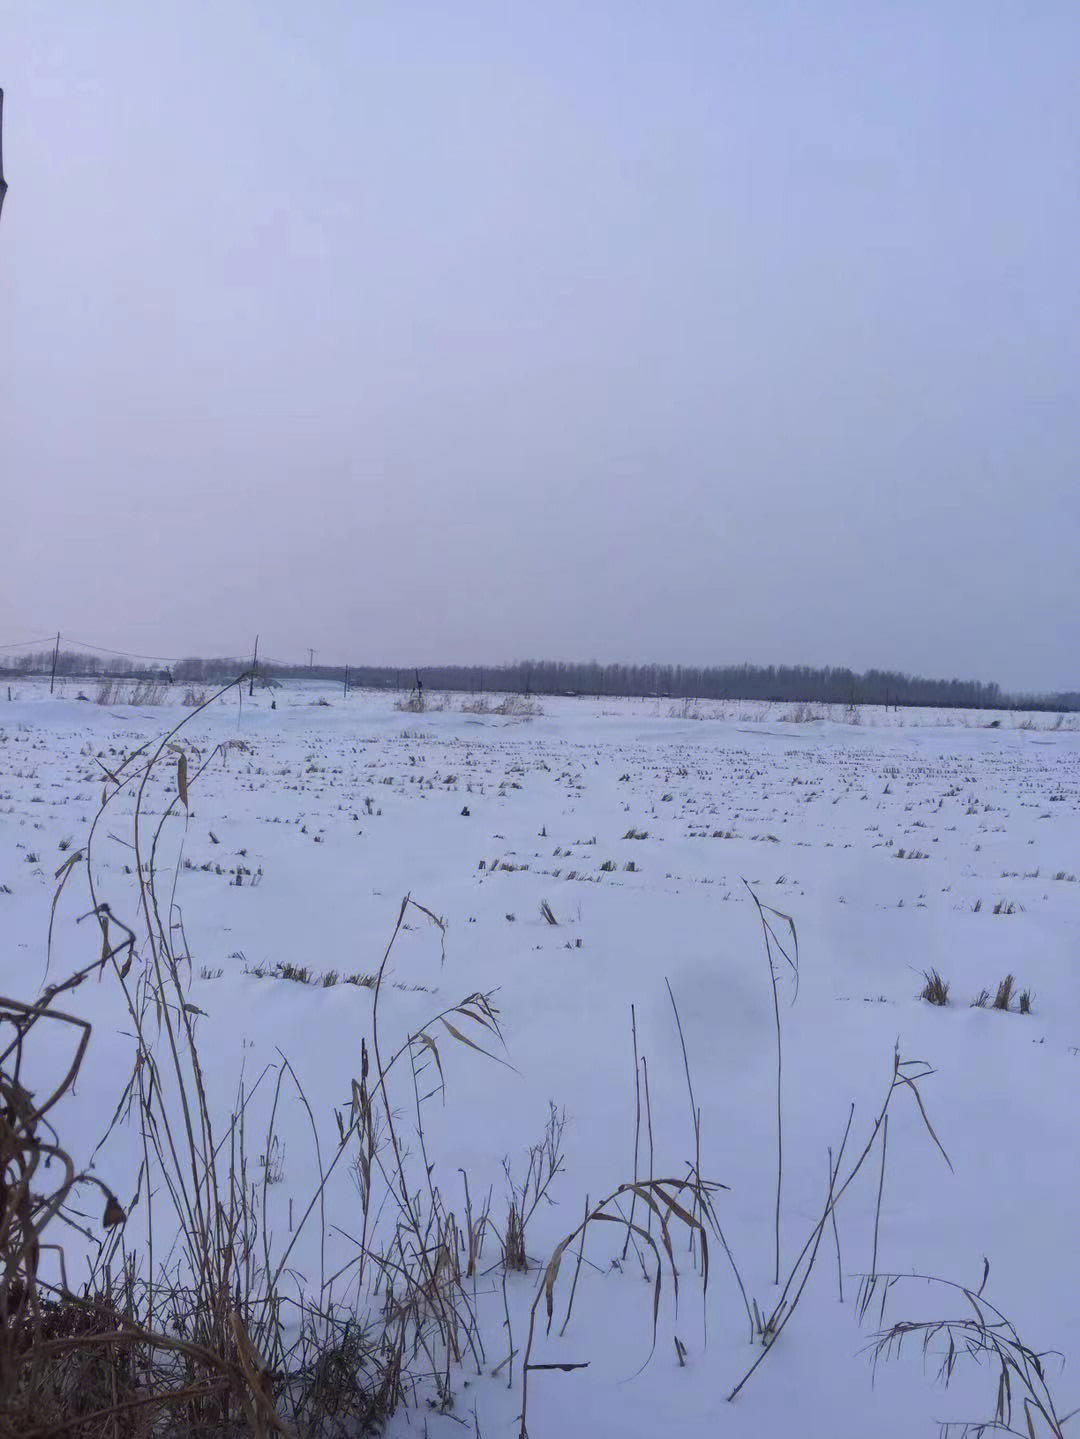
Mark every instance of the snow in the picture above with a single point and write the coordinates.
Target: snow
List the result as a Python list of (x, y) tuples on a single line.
[(335, 808)]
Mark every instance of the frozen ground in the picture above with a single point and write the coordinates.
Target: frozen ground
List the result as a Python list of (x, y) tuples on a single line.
[(903, 842)]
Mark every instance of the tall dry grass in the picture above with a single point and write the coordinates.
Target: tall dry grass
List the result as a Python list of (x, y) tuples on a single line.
[(189, 1321)]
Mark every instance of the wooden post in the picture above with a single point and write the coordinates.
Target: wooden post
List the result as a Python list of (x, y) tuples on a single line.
[(346, 679), (55, 657), (254, 663)]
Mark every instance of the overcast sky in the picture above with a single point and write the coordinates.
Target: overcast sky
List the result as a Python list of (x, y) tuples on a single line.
[(668, 331)]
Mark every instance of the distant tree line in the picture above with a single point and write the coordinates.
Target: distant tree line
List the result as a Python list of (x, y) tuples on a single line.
[(778, 683)]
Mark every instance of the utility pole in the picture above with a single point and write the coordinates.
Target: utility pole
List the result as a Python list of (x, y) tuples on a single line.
[(254, 663), (346, 680), (56, 648), (3, 182)]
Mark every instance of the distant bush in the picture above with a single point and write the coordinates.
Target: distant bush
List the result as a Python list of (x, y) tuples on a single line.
[(518, 707), (802, 713)]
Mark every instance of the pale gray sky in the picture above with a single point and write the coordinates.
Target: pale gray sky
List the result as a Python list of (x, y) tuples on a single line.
[(695, 332)]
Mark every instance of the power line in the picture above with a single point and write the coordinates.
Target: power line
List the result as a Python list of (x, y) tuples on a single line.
[(84, 645), (25, 644), (123, 654), (67, 640), (171, 659)]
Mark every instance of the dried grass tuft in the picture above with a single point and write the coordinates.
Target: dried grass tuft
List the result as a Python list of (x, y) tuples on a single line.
[(936, 989), (1004, 994)]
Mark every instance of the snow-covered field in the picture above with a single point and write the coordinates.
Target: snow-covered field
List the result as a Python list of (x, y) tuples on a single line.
[(904, 842)]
